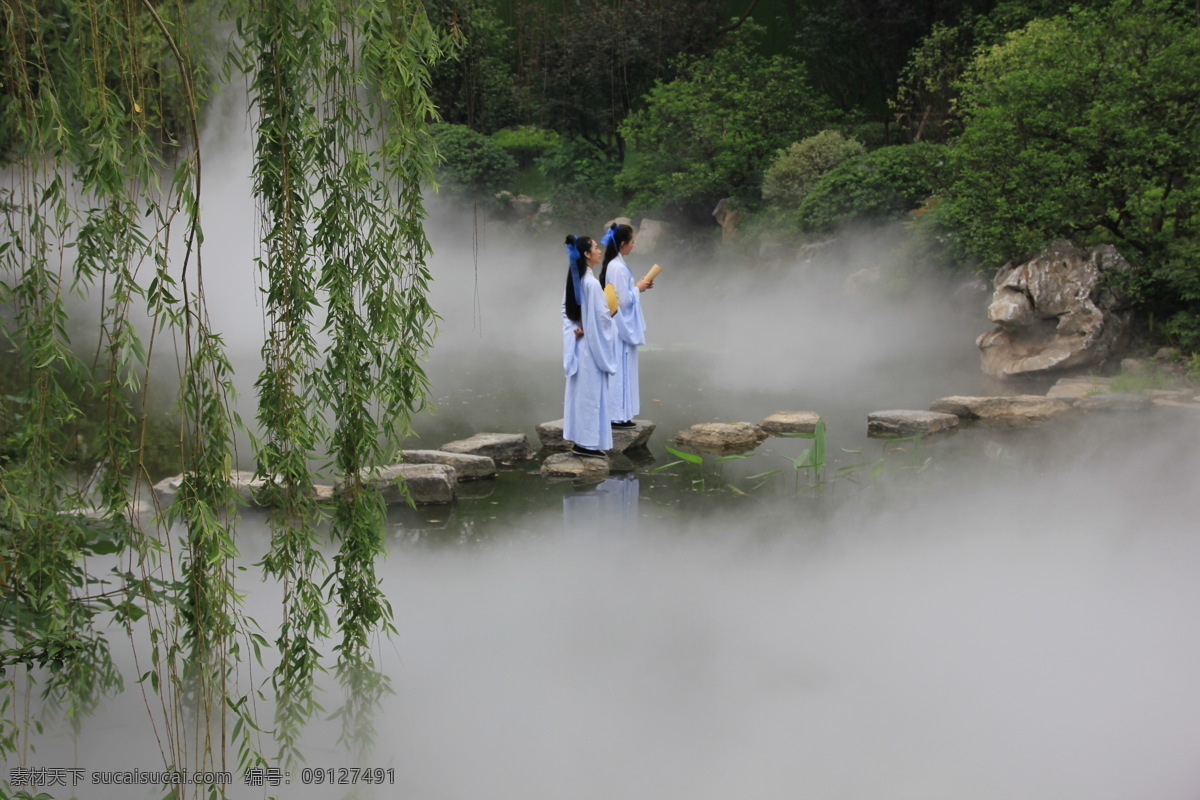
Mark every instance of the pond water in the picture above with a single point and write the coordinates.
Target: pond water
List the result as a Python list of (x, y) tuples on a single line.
[(995, 614)]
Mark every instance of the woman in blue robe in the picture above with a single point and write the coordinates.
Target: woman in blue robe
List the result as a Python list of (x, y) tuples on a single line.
[(589, 339), (624, 402)]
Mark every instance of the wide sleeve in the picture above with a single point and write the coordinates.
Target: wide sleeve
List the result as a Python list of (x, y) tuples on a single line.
[(631, 325), (599, 331), (570, 343)]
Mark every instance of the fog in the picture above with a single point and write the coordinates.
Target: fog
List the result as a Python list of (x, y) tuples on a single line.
[(1016, 621)]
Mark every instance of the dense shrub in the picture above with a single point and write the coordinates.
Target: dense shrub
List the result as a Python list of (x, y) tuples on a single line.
[(527, 142), (884, 184), (797, 169), (471, 163), (579, 176), (712, 132)]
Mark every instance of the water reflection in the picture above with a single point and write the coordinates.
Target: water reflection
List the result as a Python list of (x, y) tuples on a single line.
[(611, 504)]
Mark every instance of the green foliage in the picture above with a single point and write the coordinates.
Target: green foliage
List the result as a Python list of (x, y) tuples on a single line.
[(341, 106), (478, 88), (712, 132), (471, 163), (797, 169), (1083, 126), (526, 143), (579, 174), (45, 41), (884, 184), (585, 65)]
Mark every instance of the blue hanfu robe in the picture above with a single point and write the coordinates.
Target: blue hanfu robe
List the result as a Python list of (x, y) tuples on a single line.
[(588, 361), (631, 334)]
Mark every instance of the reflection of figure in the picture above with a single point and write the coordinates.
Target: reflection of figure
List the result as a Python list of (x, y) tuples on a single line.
[(588, 357), (631, 325), (610, 504)]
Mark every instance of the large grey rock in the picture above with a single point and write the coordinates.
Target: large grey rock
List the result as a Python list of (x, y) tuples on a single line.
[(863, 283), (721, 437), (550, 434), (895, 424), (467, 467), (565, 465), (815, 251), (728, 216), (1114, 401), (653, 235), (782, 423), (1057, 311), (503, 448), (425, 483), (1016, 410)]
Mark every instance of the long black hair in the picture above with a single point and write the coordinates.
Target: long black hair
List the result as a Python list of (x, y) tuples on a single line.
[(621, 235), (583, 244)]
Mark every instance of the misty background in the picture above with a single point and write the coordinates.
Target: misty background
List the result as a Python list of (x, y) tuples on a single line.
[(1018, 620)]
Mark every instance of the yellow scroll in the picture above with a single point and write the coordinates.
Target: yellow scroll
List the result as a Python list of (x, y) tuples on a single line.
[(610, 294), (653, 273)]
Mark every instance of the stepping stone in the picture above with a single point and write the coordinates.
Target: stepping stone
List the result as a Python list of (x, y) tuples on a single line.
[(467, 467), (1022, 409), (900, 423), (565, 465), (1115, 401), (551, 436), (249, 489), (785, 422), (502, 448), (425, 483), (721, 437)]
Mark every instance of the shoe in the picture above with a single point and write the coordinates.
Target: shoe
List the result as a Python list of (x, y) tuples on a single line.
[(626, 424), (585, 452)]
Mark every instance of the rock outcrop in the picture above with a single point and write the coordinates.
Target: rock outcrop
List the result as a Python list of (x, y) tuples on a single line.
[(1057, 311), (728, 217), (653, 235)]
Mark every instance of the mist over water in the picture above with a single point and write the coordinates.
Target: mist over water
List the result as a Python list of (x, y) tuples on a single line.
[(1017, 621)]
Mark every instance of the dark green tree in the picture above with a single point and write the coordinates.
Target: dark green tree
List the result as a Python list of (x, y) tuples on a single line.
[(711, 132), (1085, 126)]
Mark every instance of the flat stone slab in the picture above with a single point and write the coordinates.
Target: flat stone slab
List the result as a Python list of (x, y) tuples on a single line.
[(1021, 409), (721, 437), (467, 467), (550, 434), (502, 448), (782, 423), (427, 484), (1114, 401), (565, 465), (1075, 388), (248, 488), (895, 424)]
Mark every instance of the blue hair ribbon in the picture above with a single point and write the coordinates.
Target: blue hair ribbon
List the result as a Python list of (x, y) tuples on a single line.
[(609, 236)]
